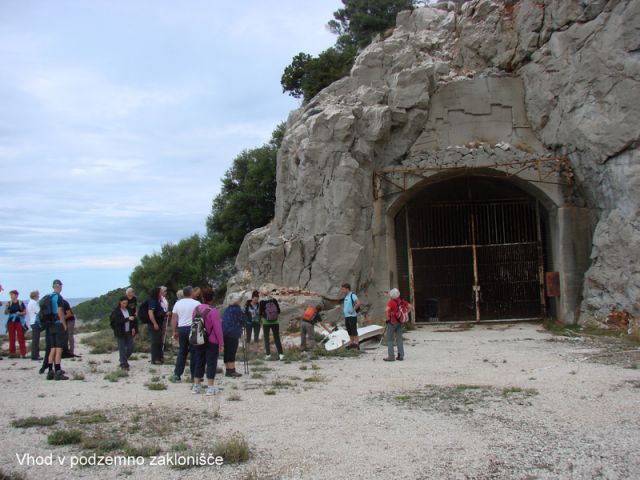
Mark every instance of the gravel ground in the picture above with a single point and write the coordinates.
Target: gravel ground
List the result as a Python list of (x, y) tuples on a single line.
[(493, 401)]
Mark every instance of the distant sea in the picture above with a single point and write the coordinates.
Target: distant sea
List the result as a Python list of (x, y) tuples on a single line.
[(3, 318)]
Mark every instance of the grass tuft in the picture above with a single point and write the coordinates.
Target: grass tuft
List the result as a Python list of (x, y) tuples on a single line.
[(156, 386), (29, 422), (64, 437)]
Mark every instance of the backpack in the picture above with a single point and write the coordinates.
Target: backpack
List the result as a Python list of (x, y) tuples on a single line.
[(353, 302), (198, 334), (271, 311), (401, 313), (309, 313), (46, 315), (143, 311)]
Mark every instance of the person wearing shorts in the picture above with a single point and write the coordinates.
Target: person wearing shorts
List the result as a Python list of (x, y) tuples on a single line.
[(350, 306), (57, 334)]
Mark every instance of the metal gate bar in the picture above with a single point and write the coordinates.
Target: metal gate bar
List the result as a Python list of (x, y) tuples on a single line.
[(477, 260)]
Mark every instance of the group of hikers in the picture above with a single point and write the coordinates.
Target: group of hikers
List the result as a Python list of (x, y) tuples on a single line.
[(51, 315), (195, 325)]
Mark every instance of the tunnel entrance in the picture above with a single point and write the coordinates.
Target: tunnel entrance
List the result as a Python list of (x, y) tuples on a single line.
[(472, 249)]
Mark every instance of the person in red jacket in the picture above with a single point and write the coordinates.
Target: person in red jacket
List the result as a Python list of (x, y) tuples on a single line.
[(16, 312), (397, 311)]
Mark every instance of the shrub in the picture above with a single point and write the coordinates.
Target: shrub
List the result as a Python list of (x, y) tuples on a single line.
[(29, 422), (64, 437)]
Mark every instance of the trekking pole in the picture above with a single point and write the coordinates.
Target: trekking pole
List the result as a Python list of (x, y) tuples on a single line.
[(380, 343), (244, 354)]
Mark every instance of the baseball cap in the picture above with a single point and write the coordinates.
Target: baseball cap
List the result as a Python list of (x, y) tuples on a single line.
[(57, 282)]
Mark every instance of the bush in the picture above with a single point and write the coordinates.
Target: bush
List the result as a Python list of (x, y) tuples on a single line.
[(235, 449), (29, 422), (64, 437), (101, 342)]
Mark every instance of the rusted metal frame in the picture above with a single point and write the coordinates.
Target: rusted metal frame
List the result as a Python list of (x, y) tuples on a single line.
[(543, 303), (515, 244), (476, 285), (411, 280)]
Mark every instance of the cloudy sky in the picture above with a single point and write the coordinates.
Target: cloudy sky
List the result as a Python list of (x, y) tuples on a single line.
[(120, 117)]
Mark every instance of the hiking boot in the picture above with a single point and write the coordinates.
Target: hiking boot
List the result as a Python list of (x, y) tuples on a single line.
[(387, 359), (195, 389), (174, 379), (42, 370), (232, 374), (50, 375), (212, 390), (59, 375), (124, 367), (399, 358)]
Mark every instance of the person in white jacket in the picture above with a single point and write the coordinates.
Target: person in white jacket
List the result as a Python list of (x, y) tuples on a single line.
[(33, 322)]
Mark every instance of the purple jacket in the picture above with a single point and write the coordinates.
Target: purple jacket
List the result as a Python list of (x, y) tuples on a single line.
[(212, 324)]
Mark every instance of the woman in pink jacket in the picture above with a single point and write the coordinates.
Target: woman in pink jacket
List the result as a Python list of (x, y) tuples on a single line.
[(207, 354)]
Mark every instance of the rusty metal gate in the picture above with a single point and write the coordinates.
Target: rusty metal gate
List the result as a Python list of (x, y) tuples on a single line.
[(472, 260)]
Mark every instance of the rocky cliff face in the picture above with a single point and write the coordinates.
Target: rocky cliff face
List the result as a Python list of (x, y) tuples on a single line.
[(578, 65)]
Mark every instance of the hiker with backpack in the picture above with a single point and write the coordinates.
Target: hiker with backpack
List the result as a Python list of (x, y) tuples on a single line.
[(310, 318), (16, 312), (397, 312), (351, 305), (181, 328), (151, 310), (125, 327), (269, 311), (206, 319), (53, 317), (252, 317), (232, 322)]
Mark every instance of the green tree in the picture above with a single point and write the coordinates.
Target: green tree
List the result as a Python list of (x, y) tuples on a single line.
[(307, 75), (175, 266), (100, 307), (247, 198), (356, 24), (360, 20), (246, 201)]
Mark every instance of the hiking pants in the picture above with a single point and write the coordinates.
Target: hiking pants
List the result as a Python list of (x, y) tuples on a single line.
[(125, 348), (156, 344), (47, 348), (183, 350), (276, 337), (206, 354), (15, 330), (71, 331), (35, 341), (394, 329), (306, 329), (255, 327)]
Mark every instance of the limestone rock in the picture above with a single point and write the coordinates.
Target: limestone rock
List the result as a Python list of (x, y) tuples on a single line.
[(552, 79)]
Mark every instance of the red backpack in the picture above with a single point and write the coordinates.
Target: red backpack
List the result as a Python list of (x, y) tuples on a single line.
[(401, 313)]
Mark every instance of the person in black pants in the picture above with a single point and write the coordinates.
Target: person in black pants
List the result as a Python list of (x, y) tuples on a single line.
[(232, 322), (125, 327), (157, 318), (269, 311), (252, 317)]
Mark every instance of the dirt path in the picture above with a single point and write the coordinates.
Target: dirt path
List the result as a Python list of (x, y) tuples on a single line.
[(505, 401)]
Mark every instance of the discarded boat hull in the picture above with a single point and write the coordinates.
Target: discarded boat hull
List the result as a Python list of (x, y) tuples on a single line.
[(339, 337)]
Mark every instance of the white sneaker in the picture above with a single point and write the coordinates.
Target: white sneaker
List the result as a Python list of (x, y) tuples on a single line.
[(212, 390), (281, 356), (195, 388), (267, 357)]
